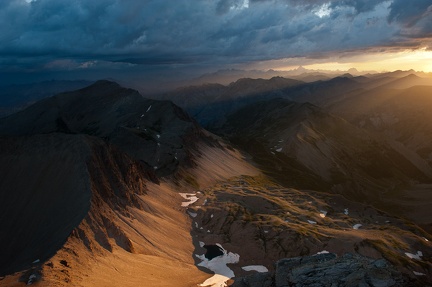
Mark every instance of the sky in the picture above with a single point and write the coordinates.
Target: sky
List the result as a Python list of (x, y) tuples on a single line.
[(153, 40)]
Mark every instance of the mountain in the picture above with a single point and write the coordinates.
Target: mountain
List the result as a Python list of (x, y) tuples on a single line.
[(353, 99), (75, 163), (301, 73), (407, 82), (311, 77), (154, 132), (102, 187), (16, 97), (290, 138), (227, 76), (322, 91), (400, 116), (209, 104)]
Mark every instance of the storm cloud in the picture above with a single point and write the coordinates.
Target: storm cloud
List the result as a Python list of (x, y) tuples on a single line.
[(82, 34)]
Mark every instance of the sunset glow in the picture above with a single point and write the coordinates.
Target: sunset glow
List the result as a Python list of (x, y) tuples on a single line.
[(53, 39), (419, 60)]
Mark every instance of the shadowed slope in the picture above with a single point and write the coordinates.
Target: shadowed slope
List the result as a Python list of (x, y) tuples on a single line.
[(47, 184), (152, 131), (305, 147)]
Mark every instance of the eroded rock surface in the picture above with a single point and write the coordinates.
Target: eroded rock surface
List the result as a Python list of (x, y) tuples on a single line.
[(326, 270)]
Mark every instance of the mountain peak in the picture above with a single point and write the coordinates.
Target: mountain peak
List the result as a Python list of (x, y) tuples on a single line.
[(301, 69), (103, 82), (347, 75), (411, 76)]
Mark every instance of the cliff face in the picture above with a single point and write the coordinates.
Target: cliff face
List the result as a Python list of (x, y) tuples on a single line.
[(45, 193), (50, 183)]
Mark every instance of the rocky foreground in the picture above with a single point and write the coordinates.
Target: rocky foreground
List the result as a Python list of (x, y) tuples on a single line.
[(327, 270)]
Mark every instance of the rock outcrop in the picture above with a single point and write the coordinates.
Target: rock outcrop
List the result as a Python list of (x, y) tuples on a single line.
[(327, 270)]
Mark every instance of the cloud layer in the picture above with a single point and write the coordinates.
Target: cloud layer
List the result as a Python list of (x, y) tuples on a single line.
[(61, 34)]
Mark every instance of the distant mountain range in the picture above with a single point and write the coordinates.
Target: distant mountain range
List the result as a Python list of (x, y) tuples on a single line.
[(228, 76)]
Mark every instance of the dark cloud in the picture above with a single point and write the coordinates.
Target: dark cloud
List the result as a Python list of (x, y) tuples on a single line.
[(224, 6), (104, 34), (409, 13), (360, 6), (416, 18)]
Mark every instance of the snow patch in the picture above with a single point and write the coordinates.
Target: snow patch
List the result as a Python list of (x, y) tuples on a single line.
[(312, 222), (31, 279), (279, 150), (323, 213), (158, 136), (219, 266), (323, 252), (418, 273), (201, 244), (191, 197), (149, 108), (192, 214), (257, 268), (414, 256), (357, 226), (211, 216), (346, 212), (425, 239)]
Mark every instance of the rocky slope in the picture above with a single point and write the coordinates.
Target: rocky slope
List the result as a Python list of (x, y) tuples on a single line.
[(262, 222), (326, 270), (289, 139)]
